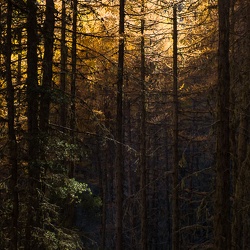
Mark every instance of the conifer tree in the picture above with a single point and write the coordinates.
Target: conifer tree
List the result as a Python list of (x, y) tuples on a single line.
[(222, 225)]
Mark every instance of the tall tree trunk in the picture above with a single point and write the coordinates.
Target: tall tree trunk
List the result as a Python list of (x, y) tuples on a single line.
[(12, 134), (175, 202), (69, 208), (246, 110), (33, 220), (19, 77), (45, 94), (104, 179), (47, 65), (236, 215), (103, 185), (119, 130), (222, 197), (132, 238), (102, 165), (241, 225), (73, 83), (142, 160), (63, 106)]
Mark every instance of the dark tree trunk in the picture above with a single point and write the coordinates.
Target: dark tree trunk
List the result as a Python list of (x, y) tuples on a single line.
[(119, 136), (142, 160), (240, 225), (73, 84), (175, 202), (102, 165), (222, 226), (246, 162), (63, 105), (33, 220), (103, 184), (70, 208), (47, 65), (12, 135)]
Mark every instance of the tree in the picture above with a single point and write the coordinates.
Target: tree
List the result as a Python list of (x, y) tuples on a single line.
[(48, 32), (63, 63), (222, 197), (73, 80), (175, 206), (240, 122), (119, 130), (34, 220), (143, 160), (12, 134)]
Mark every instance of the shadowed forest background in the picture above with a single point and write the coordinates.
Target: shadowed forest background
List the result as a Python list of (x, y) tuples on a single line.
[(124, 124)]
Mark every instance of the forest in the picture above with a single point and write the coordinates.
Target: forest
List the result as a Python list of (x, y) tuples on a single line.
[(124, 124)]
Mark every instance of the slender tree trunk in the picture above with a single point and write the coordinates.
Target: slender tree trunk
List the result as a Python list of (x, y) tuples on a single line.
[(103, 184), (167, 190), (222, 197), (12, 134), (47, 65), (73, 83), (69, 208), (241, 225), (175, 202), (131, 178), (104, 178), (236, 216), (241, 181), (63, 106), (246, 118), (103, 190), (45, 94), (19, 77), (119, 137), (33, 220), (142, 160)]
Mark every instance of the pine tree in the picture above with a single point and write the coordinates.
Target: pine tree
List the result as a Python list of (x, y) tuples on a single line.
[(222, 225)]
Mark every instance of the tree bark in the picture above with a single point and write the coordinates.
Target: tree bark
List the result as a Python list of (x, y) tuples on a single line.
[(70, 208), (119, 130), (222, 197), (240, 227), (175, 202), (73, 83), (63, 106), (142, 160), (47, 65), (33, 220)]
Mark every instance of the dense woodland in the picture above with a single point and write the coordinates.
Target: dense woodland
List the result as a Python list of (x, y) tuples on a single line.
[(124, 124)]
